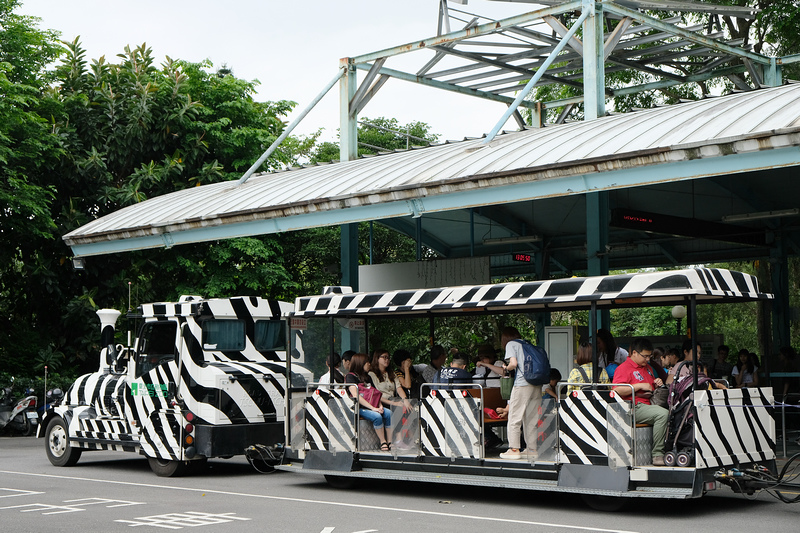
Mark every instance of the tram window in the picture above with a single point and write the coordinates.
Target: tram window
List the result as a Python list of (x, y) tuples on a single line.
[(223, 335), (270, 335), (156, 345)]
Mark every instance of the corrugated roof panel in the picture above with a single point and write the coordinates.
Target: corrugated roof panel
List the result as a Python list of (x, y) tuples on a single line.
[(702, 122)]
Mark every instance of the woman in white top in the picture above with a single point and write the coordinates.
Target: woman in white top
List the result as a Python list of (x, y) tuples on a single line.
[(488, 369), (745, 373), (607, 350)]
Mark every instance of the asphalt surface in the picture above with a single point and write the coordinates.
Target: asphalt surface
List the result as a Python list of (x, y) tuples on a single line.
[(115, 491)]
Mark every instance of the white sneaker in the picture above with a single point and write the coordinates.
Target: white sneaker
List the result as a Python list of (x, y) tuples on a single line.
[(530, 455), (511, 454)]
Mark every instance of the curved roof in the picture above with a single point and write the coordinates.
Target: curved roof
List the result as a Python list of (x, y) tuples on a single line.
[(404, 183)]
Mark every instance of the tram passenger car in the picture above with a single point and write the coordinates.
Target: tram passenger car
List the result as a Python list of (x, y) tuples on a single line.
[(588, 441)]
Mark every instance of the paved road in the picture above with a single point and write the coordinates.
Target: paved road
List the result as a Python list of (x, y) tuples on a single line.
[(110, 491)]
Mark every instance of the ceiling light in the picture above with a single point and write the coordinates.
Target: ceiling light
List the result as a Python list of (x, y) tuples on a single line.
[(763, 214), (513, 240)]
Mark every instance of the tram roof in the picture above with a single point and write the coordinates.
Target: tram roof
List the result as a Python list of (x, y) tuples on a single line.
[(624, 290)]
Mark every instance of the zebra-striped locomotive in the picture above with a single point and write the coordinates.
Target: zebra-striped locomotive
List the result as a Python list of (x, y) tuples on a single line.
[(205, 378)]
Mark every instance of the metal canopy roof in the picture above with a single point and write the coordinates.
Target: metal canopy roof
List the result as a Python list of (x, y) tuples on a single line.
[(737, 137), (652, 288)]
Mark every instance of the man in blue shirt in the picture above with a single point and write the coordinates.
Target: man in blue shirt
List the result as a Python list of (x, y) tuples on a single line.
[(456, 373)]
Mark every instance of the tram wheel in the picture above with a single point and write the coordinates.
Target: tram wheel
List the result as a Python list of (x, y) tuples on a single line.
[(608, 504), (341, 482)]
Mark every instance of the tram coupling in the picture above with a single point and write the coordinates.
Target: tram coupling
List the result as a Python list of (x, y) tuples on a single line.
[(756, 478)]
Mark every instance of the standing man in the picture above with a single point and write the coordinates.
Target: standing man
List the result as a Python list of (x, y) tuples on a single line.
[(636, 371), (525, 401)]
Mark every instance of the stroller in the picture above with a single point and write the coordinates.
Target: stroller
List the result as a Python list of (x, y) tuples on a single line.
[(680, 427)]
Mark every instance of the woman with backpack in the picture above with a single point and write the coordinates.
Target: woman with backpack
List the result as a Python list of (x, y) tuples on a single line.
[(523, 406)]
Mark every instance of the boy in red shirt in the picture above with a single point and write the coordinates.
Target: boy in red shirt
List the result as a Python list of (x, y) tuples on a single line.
[(636, 371)]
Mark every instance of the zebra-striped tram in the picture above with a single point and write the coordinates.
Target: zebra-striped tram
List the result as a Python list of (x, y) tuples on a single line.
[(588, 441)]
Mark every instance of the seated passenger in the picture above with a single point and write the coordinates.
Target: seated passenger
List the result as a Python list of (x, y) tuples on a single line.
[(635, 371), (745, 372), (607, 350), (585, 369), (438, 358), (381, 418), (332, 362), (384, 380), (456, 373), (488, 369), (690, 357), (549, 390), (409, 377)]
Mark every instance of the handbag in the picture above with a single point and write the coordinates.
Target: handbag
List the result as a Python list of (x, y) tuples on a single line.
[(659, 396), (371, 394), (506, 384)]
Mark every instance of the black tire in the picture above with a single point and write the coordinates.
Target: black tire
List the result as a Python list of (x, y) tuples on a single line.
[(607, 504), (341, 482), (669, 459), (30, 429), (167, 467), (59, 451)]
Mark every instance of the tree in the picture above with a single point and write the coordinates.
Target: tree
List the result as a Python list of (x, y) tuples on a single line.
[(377, 135), (27, 151), (119, 133)]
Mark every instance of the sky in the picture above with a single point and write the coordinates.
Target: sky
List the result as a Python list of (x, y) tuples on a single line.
[(291, 47)]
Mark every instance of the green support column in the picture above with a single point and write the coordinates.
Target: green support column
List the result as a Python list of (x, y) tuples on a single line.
[(348, 151), (594, 78), (597, 220), (773, 76), (542, 272), (779, 272)]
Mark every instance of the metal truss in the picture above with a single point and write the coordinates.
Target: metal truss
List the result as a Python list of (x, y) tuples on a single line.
[(572, 45)]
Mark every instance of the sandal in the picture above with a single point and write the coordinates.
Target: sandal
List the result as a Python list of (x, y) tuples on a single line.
[(385, 446)]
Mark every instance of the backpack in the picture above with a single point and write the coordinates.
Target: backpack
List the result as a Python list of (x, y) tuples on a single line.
[(536, 365)]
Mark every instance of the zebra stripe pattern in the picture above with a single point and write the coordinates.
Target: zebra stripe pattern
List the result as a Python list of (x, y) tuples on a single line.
[(330, 419), (733, 426), (219, 387), (595, 428), (451, 424), (706, 283)]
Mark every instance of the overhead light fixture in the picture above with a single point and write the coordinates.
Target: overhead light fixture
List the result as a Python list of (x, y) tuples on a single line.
[(78, 263), (513, 240), (762, 215)]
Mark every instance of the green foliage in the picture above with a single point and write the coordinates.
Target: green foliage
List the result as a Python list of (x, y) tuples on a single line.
[(89, 137), (377, 135)]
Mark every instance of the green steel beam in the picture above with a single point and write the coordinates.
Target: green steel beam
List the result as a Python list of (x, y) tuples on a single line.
[(694, 37), (445, 86), (477, 31), (735, 69)]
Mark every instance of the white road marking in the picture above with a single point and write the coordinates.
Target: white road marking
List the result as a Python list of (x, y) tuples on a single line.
[(18, 493), (75, 507), (323, 502), (181, 520)]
